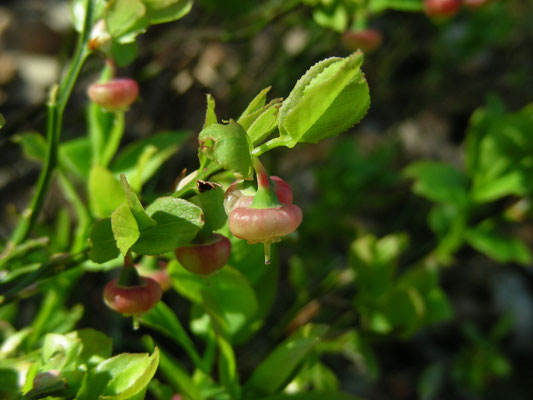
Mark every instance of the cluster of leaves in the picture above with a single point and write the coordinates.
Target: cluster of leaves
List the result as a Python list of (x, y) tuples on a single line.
[(498, 147)]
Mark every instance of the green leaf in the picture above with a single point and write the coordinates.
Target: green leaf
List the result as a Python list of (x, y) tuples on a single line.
[(2, 121), (178, 222), (503, 249), (257, 103), (124, 53), (210, 116), (377, 6), (119, 377), (96, 346), (229, 291), (78, 10), (102, 241), (33, 145), (176, 374), (125, 19), (227, 367), (166, 143), (211, 203), (264, 124), (229, 146), (281, 364), (125, 228), (12, 342), (164, 320), (331, 97), (75, 156), (247, 120), (60, 352), (439, 182), (137, 210), (105, 192), (355, 348), (160, 11), (333, 15), (499, 147)]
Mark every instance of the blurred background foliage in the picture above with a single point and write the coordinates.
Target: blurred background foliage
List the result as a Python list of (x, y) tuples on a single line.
[(415, 246)]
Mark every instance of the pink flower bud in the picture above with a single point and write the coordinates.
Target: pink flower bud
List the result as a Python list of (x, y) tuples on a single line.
[(132, 300), (205, 258), (366, 40), (114, 95)]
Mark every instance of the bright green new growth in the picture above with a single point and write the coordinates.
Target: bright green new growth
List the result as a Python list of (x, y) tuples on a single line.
[(227, 145), (331, 97)]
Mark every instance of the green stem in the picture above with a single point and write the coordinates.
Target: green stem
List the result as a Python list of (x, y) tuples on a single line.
[(59, 96), (272, 143)]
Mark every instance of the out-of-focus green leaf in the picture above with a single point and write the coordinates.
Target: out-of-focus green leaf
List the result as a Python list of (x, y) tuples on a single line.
[(333, 15), (125, 229), (105, 192), (12, 342), (229, 146), (377, 6), (228, 289), (163, 319), (175, 373), (166, 143), (485, 239), (119, 377), (374, 263), (178, 222), (355, 348), (276, 370), (430, 381), (160, 11), (33, 145), (78, 12), (331, 97), (499, 147), (124, 53), (102, 241), (96, 346), (75, 156), (125, 19), (227, 367), (2, 121), (439, 182)]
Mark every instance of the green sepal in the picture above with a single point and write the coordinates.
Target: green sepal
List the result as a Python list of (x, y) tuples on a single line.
[(129, 277)]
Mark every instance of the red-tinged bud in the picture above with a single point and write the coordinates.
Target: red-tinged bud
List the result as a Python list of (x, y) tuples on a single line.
[(264, 225), (160, 275), (114, 95), (441, 8), (132, 300), (367, 40), (205, 258), (236, 197)]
